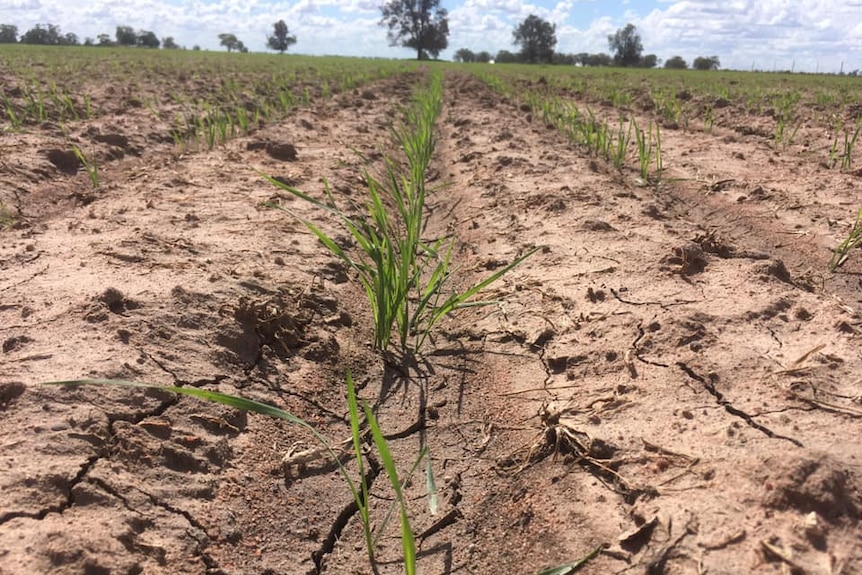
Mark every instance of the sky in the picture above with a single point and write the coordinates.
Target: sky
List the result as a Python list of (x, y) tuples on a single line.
[(802, 35)]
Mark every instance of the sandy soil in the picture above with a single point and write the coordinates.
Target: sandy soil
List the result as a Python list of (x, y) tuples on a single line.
[(672, 378)]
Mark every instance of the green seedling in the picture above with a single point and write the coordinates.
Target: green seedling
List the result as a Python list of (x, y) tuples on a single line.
[(624, 136), (14, 119), (574, 567), (89, 164), (6, 218), (849, 145), (853, 240), (708, 118), (833, 153), (643, 141), (405, 278)]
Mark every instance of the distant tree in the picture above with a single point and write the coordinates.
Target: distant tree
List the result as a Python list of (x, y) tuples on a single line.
[(169, 44), (49, 35), (69, 39), (126, 36), (649, 61), (537, 39), (626, 46), (418, 24), (710, 63), (464, 55), (147, 39), (240, 47), (89, 41), (561, 59), (229, 41), (8, 34), (196, 48), (35, 35), (104, 40), (483, 57), (281, 39), (596, 60), (676, 63), (505, 57)]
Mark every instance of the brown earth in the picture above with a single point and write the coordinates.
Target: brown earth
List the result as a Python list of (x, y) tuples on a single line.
[(672, 378)]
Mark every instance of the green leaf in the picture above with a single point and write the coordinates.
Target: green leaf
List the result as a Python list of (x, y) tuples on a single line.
[(430, 485), (408, 543), (569, 568)]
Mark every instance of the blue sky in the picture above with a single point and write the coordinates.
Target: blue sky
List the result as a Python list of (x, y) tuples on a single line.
[(808, 35)]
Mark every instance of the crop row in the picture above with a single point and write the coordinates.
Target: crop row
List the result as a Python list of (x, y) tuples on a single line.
[(787, 104), (205, 97), (562, 98), (611, 141)]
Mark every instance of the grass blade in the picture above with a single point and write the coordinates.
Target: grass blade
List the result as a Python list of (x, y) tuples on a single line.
[(569, 568), (408, 543)]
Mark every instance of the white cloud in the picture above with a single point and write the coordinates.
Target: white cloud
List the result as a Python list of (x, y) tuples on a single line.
[(810, 34), (766, 34)]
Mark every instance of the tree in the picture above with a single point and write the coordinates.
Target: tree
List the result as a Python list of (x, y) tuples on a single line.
[(169, 44), (418, 24), (561, 59), (676, 63), (104, 40), (702, 63), (49, 35), (8, 34), (229, 41), (465, 55), (483, 57), (147, 39), (626, 46), (595, 60), (280, 40), (69, 39), (537, 39), (240, 47), (506, 57), (649, 61), (126, 36)]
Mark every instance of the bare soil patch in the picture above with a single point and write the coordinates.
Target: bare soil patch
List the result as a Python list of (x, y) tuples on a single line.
[(671, 377)]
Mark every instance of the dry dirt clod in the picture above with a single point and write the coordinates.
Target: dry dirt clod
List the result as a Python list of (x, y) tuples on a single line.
[(282, 151), (686, 260), (64, 160)]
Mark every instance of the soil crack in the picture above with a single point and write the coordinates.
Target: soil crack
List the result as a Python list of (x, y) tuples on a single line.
[(636, 350), (202, 540), (338, 526), (728, 406), (69, 498), (662, 305)]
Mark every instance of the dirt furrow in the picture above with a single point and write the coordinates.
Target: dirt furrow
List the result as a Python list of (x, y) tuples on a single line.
[(623, 290), (749, 194)]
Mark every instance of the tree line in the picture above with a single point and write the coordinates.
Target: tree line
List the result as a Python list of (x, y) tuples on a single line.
[(537, 39), (126, 36), (424, 26), (51, 35)]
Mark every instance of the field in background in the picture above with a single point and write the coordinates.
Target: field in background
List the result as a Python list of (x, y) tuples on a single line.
[(205, 96)]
